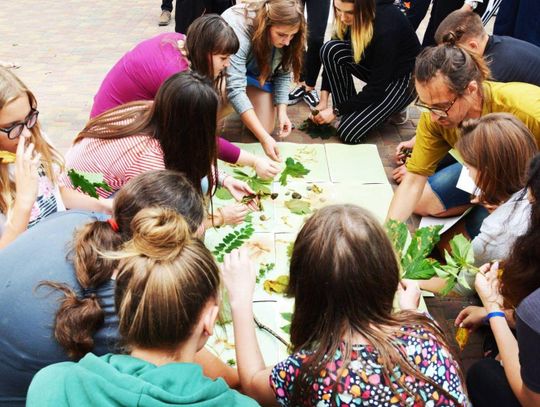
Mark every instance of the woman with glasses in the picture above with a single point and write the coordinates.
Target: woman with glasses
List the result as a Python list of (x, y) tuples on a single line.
[(452, 87), (373, 41), (29, 166)]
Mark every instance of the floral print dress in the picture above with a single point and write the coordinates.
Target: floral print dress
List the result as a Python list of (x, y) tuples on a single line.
[(363, 383)]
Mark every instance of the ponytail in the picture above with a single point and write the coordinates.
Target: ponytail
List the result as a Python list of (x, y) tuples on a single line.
[(80, 314)]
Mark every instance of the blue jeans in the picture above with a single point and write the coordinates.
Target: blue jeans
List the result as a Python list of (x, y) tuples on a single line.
[(443, 184)]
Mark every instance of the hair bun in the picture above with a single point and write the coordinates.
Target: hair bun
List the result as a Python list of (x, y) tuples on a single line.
[(159, 233), (450, 38)]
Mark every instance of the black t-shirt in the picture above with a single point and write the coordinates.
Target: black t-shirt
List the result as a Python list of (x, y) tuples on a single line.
[(513, 60), (528, 336)]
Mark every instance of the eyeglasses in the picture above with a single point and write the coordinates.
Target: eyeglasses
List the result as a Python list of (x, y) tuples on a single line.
[(435, 110), (16, 130)]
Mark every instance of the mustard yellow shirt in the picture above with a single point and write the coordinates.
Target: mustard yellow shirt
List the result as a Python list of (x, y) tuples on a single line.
[(433, 141)]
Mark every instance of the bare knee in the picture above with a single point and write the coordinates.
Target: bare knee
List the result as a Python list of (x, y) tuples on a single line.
[(429, 204)]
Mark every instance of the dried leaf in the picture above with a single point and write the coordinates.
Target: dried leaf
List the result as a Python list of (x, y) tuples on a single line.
[(278, 285), (462, 337)]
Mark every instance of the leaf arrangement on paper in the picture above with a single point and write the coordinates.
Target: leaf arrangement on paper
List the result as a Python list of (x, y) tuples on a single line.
[(88, 182), (294, 169), (233, 240), (257, 184)]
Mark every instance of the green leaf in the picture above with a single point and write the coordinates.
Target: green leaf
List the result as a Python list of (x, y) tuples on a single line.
[(88, 182), (450, 284), (314, 130), (293, 169), (287, 316), (223, 194), (462, 250), (233, 240), (397, 232), (298, 206), (259, 185), (422, 269), (286, 328)]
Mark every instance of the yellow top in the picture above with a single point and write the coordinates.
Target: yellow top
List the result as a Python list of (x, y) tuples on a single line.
[(433, 141)]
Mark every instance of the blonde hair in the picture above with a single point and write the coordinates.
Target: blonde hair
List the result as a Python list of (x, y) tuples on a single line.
[(11, 88), (165, 279), (362, 27)]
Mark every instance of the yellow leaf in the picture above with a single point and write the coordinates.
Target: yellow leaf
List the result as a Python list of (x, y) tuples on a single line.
[(462, 337), (7, 157)]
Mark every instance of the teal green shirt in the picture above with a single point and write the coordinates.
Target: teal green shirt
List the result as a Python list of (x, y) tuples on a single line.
[(122, 380)]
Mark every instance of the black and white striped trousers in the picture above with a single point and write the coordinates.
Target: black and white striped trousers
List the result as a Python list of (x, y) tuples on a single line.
[(338, 63)]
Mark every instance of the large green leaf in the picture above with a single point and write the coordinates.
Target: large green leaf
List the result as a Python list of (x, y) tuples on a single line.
[(397, 232), (293, 169), (422, 269), (462, 250), (259, 185)]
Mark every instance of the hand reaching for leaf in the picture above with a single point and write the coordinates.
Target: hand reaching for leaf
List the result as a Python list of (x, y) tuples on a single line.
[(265, 168), (471, 317), (27, 163), (325, 116), (239, 277), (233, 214), (487, 287), (239, 189)]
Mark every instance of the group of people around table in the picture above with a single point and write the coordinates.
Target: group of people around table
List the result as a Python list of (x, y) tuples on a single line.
[(112, 301)]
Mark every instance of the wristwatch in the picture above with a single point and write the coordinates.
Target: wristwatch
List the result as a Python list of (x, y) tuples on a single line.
[(336, 112)]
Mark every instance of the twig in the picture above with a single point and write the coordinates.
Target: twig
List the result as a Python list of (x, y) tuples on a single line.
[(260, 325)]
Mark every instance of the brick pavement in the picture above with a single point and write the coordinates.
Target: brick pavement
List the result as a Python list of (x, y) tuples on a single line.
[(65, 49)]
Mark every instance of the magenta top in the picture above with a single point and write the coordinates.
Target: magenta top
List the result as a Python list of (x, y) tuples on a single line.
[(139, 74)]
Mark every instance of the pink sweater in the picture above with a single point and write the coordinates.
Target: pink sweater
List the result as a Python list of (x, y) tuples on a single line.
[(139, 74)]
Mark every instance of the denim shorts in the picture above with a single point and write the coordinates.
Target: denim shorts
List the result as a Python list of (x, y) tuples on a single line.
[(253, 81), (443, 184)]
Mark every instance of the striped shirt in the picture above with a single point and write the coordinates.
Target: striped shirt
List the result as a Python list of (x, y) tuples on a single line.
[(119, 159)]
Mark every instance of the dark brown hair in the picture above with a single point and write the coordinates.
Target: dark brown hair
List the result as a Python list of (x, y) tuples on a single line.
[(182, 118), (500, 147), (344, 276), (206, 36), (165, 278), (271, 13), (80, 316), (457, 66), (459, 26), (521, 275)]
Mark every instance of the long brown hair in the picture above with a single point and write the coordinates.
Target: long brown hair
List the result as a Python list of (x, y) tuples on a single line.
[(271, 13), (521, 274), (206, 36), (11, 88), (165, 278), (344, 276), (362, 27), (182, 118), (500, 147), (79, 317), (457, 66)]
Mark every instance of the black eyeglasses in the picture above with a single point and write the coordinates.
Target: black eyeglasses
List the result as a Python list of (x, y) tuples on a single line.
[(435, 110), (16, 130)]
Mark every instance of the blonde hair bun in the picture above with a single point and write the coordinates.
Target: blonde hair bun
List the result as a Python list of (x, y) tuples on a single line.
[(159, 233)]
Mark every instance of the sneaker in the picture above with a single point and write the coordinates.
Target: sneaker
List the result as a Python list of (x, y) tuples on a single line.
[(311, 98), (399, 118), (165, 18), (296, 95)]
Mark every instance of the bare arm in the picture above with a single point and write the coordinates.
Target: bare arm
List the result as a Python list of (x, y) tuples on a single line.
[(406, 196), (77, 200), (239, 278), (213, 368)]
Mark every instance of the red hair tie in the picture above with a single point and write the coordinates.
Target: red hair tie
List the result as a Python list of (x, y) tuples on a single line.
[(114, 225)]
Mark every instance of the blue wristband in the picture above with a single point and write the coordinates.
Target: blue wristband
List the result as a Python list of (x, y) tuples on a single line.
[(494, 314)]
